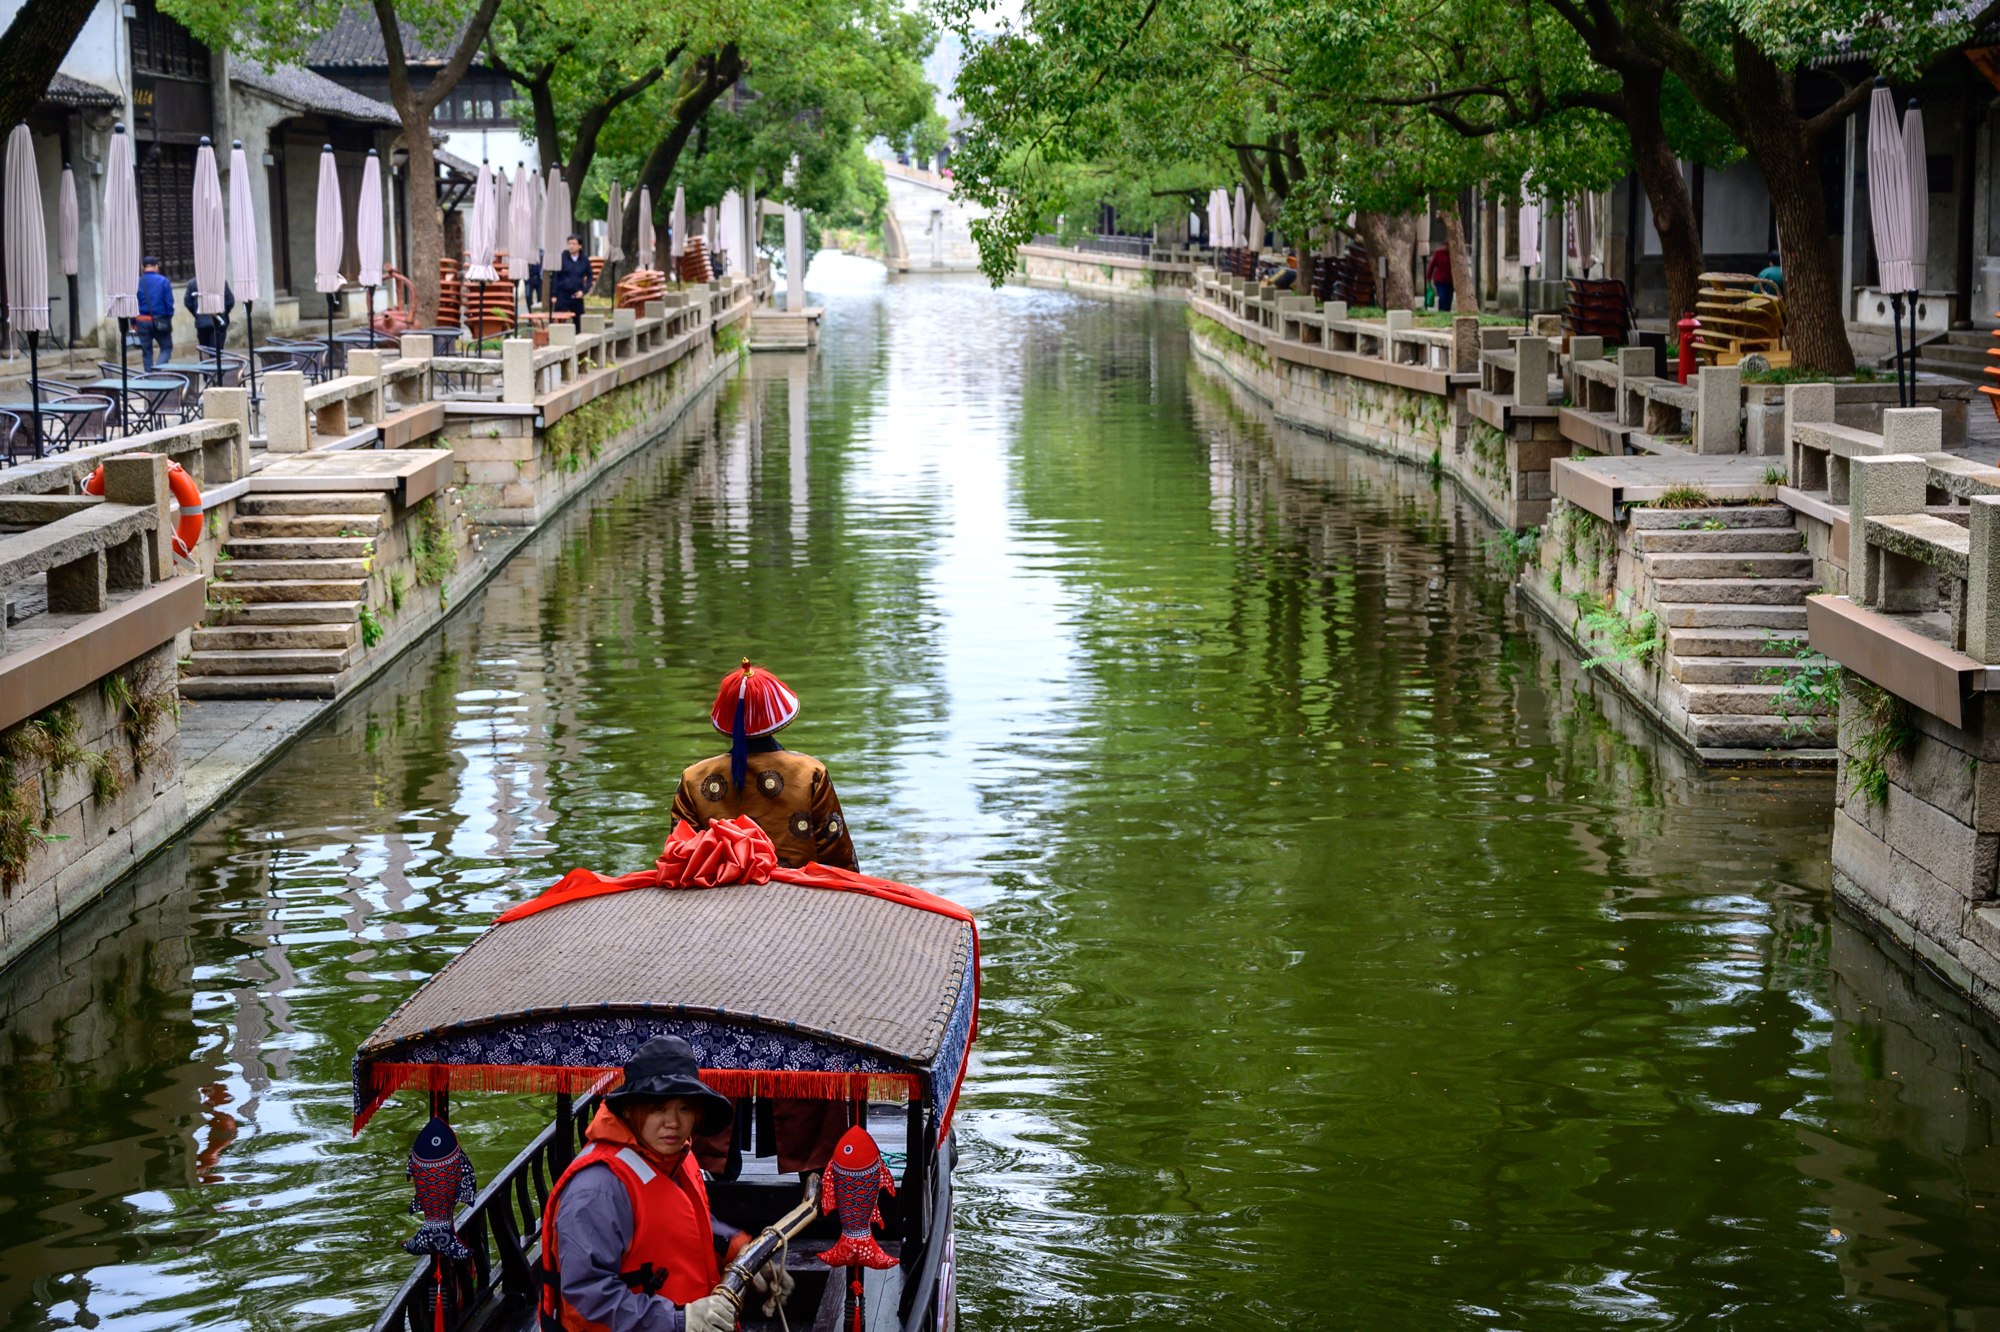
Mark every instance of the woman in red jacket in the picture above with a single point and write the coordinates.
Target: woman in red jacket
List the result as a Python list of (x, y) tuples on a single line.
[(628, 1241), (1438, 273)]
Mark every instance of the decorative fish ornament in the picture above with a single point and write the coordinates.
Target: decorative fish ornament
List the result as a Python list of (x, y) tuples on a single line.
[(854, 1180), (443, 1176)]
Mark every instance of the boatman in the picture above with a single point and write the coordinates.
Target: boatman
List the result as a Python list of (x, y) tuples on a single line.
[(788, 795), (629, 1239)]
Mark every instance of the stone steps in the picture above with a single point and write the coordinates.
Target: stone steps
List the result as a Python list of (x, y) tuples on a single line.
[(277, 637), (1695, 615), (270, 504), (259, 686), (290, 589), (304, 525), (1730, 516), (268, 571), (288, 612), (1734, 643), (287, 661), (1728, 670), (242, 549), (1750, 731), (1729, 541), (1733, 565), (1745, 591)]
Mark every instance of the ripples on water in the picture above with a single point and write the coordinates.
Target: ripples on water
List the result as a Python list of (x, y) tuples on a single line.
[(1346, 958)]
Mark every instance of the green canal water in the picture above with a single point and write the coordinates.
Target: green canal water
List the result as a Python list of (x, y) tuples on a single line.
[(1349, 961)]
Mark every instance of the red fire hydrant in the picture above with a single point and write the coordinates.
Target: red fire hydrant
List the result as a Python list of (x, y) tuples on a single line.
[(1687, 327)]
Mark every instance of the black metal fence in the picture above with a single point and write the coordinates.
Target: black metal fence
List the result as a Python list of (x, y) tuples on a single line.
[(503, 1230), (1132, 247)]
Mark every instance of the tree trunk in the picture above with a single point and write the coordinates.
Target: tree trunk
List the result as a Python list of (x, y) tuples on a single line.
[(31, 50), (703, 82), (1462, 288), (1774, 135), (414, 109), (426, 227), (1666, 191), (1391, 236)]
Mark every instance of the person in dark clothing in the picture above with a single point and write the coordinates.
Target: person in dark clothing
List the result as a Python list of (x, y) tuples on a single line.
[(211, 331), (573, 279), (1438, 272), (156, 313)]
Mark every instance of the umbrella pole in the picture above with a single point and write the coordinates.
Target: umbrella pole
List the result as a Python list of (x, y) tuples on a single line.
[(1896, 305), (249, 345), (1913, 348), (124, 373), (329, 335), (35, 388), (72, 323)]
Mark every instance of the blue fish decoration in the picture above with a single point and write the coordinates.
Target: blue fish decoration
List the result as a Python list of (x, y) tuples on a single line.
[(443, 1176)]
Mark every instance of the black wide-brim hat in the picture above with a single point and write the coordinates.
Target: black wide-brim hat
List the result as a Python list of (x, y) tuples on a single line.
[(664, 1068)]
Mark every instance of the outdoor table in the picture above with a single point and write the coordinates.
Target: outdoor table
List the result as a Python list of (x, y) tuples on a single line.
[(147, 389), (59, 420), (207, 369)]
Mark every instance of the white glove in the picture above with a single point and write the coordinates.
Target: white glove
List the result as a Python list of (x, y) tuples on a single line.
[(775, 1279), (711, 1313)]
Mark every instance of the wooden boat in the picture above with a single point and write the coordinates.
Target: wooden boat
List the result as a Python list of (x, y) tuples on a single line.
[(796, 999)]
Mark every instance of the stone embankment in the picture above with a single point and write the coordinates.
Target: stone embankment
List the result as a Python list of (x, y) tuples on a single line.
[(367, 504)]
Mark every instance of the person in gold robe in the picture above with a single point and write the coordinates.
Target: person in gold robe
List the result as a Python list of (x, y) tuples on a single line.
[(788, 795)]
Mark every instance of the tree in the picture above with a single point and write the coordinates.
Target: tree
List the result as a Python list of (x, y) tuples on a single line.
[(280, 31), (32, 49), (1742, 63)]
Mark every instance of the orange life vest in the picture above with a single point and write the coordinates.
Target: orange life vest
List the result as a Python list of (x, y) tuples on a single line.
[(672, 1249)]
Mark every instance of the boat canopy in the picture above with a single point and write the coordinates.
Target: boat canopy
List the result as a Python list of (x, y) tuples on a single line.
[(783, 990)]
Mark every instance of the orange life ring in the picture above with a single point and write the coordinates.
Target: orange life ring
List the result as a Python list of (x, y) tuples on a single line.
[(186, 492)]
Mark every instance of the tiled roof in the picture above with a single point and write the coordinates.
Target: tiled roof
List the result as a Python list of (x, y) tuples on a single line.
[(66, 91), (355, 42), (314, 94)]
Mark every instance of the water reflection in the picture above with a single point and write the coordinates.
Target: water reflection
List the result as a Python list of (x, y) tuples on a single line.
[(1348, 949)]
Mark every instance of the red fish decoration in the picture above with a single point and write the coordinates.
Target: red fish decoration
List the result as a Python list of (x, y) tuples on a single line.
[(854, 1181), (443, 1176)]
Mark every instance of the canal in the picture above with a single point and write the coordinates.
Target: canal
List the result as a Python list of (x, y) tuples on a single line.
[(1350, 959)]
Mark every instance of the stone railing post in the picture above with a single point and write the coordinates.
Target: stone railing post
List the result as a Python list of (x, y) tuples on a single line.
[(1531, 371), (517, 370), (139, 479), (225, 460), (1982, 582), (1718, 413), (1883, 487), (367, 363), (1464, 344), (419, 347), (1336, 309), (1394, 322), (1807, 404), (1634, 363), (285, 428), (564, 336), (1912, 430)]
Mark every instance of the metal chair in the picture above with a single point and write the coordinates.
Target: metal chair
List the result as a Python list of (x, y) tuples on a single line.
[(92, 427), (15, 439), (52, 391), (157, 404), (190, 400)]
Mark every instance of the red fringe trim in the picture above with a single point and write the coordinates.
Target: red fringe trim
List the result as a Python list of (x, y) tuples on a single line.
[(389, 1078)]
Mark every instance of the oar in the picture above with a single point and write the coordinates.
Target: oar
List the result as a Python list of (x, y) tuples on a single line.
[(736, 1279)]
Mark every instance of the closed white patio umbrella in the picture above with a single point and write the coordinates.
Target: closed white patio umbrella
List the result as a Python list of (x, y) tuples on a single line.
[(481, 240), (26, 249), (677, 241), (329, 238), (1920, 206), (647, 240), (1531, 251), (368, 233), (1889, 210), (211, 246), (66, 247), (521, 242), (555, 231), (121, 250), (614, 225), (243, 251)]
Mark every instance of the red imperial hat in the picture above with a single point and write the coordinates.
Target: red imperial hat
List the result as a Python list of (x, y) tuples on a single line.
[(751, 701)]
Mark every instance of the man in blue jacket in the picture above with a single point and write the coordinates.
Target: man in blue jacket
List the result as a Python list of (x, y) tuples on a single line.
[(156, 313)]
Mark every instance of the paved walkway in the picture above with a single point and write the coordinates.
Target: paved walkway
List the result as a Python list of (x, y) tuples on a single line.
[(223, 741)]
